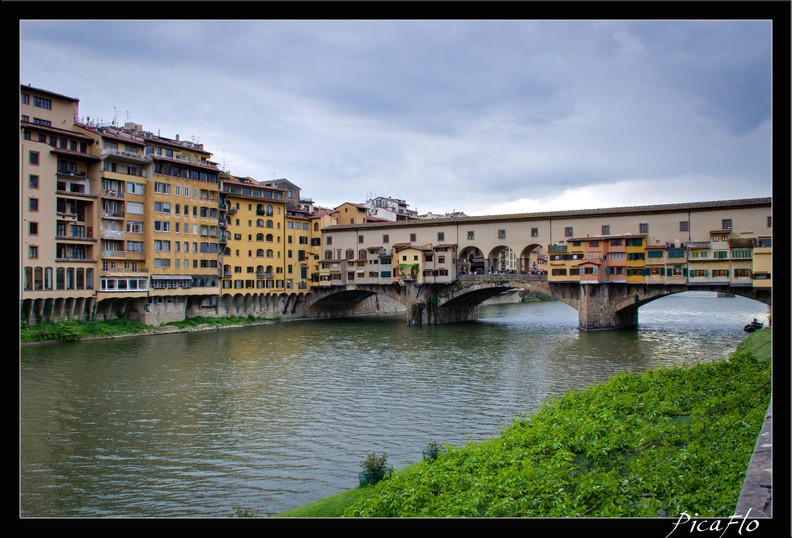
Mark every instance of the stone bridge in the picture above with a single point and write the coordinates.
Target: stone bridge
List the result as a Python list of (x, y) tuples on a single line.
[(600, 306)]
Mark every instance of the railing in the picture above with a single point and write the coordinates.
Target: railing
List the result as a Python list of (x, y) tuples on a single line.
[(126, 154)]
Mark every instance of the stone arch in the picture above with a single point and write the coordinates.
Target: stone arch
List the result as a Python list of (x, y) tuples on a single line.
[(501, 258), (532, 259), (470, 260)]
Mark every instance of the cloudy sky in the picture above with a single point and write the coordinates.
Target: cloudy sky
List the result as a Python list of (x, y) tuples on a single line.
[(479, 116)]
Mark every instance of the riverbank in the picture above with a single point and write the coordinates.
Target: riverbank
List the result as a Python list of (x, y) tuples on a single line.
[(612, 450), (73, 330)]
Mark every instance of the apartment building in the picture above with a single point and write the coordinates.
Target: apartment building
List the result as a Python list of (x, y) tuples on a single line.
[(58, 207)]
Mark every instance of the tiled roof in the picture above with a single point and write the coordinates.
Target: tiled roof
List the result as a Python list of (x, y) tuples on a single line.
[(603, 237), (572, 213)]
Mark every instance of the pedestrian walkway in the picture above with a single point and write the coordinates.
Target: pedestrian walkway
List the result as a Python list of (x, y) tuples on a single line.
[(756, 494)]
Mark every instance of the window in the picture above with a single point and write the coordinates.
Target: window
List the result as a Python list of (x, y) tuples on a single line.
[(329, 241), (501, 234), (136, 188), (471, 235), (534, 232), (769, 222), (40, 102), (25, 99), (33, 181), (33, 157), (727, 224), (385, 239), (643, 228), (412, 238), (33, 228), (32, 251), (441, 236), (360, 239), (605, 229), (684, 226), (162, 207), (568, 231), (33, 204), (162, 188), (135, 208)]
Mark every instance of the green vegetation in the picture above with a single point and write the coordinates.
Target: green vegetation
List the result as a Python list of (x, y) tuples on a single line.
[(656, 444), (203, 321), (71, 330), (537, 297)]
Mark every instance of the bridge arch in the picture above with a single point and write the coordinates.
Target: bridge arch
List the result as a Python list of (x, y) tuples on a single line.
[(501, 258), (470, 260), (531, 258)]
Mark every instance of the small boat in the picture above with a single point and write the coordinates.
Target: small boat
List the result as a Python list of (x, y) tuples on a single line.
[(753, 326)]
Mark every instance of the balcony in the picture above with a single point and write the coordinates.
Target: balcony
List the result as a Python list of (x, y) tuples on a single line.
[(71, 173), (108, 234), (126, 155), (113, 194), (113, 214)]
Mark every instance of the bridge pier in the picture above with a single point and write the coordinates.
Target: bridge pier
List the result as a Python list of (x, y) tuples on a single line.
[(600, 307), (423, 314)]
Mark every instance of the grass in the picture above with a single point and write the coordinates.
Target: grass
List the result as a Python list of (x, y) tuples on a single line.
[(71, 330), (657, 444)]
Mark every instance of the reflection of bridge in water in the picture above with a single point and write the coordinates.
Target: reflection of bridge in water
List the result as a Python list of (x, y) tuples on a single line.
[(600, 306)]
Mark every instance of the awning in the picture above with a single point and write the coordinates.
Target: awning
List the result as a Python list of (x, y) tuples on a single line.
[(171, 277)]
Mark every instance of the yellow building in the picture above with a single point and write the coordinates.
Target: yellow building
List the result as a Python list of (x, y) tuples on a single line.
[(763, 263), (255, 228), (183, 229)]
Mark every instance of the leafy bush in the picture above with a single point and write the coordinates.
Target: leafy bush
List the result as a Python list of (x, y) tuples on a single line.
[(374, 464), (374, 469)]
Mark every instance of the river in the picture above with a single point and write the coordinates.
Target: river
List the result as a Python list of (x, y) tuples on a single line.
[(271, 417)]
